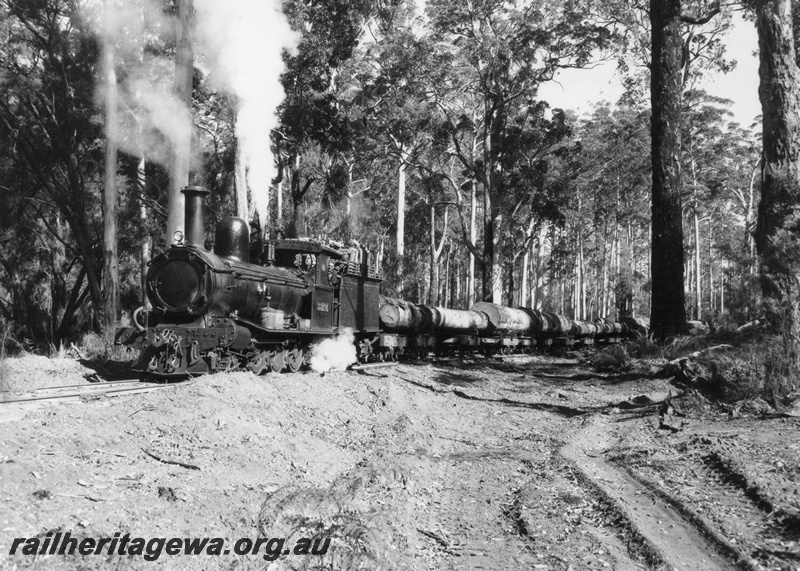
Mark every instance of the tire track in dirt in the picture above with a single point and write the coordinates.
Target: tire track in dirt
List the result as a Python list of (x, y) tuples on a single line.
[(727, 509), (675, 541)]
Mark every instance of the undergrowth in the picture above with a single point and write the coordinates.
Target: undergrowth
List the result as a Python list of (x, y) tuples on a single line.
[(757, 366)]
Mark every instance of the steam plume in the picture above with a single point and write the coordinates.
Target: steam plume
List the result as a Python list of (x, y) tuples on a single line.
[(243, 41), (334, 354), (239, 41)]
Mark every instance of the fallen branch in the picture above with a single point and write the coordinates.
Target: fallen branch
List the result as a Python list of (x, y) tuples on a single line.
[(702, 352), (751, 325), (78, 351), (82, 497), (170, 461), (112, 453)]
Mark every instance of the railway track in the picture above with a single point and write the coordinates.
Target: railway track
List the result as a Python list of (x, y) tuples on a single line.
[(79, 392)]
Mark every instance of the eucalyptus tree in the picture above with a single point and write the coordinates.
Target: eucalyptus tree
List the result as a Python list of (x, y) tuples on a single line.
[(51, 129), (499, 52), (778, 228), (310, 116)]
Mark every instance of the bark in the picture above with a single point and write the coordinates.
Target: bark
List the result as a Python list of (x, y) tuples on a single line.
[(110, 257), (668, 314), (181, 152), (698, 290), (348, 214), (146, 245), (401, 212), (523, 288), (777, 226), (297, 226), (698, 303), (279, 204), (435, 253), (473, 236), (493, 216)]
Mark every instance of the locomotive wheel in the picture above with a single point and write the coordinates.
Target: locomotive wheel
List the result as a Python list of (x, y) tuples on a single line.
[(294, 359), (257, 363), (277, 361)]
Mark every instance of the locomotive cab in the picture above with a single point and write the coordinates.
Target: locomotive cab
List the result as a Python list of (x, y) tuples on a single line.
[(344, 285)]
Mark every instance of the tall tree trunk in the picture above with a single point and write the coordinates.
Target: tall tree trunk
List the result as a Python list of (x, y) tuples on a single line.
[(712, 302), (748, 221), (144, 251), (603, 303), (523, 288), (240, 177), (279, 205), (668, 314), (493, 216), (435, 253), (181, 152), (698, 289), (400, 239), (110, 258), (348, 213), (778, 225), (401, 212), (473, 236)]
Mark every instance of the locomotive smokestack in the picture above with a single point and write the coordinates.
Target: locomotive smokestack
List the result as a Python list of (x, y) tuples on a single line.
[(194, 224)]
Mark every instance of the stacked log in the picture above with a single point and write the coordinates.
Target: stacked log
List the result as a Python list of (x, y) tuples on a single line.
[(457, 320), (555, 324), (505, 319), (399, 315), (402, 315), (607, 327), (582, 328)]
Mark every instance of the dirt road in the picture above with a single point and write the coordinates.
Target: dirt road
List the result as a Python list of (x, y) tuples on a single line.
[(527, 463)]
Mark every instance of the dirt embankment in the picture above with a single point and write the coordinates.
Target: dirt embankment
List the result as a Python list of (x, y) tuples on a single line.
[(528, 463)]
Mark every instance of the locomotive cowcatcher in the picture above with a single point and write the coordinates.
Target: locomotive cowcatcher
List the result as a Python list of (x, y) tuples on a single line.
[(261, 306)]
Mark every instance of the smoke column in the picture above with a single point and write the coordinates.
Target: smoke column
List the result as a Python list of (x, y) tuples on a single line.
[(243, 41), (334, 354), (239, 42)]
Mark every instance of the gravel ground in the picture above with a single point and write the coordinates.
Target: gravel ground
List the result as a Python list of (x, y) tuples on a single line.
[(532, 462)]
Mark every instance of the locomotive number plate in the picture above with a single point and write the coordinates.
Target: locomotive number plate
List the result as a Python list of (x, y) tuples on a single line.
[(323, 307)]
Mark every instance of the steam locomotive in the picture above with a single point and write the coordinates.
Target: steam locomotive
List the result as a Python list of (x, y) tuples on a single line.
[(263, 306)]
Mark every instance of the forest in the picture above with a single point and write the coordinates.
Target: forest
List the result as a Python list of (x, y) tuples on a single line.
[(415, 130)]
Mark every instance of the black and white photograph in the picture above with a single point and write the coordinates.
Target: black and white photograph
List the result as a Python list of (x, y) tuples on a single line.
[(423, 285)]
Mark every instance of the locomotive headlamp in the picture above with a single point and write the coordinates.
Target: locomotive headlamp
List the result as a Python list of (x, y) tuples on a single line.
[(177, 238)]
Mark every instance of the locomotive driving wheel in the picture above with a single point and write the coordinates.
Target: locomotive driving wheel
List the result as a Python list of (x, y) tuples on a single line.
[(257, 363), (277, 360), (294, 358)]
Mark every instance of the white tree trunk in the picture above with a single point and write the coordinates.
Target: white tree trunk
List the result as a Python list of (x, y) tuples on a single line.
[(181, 151)]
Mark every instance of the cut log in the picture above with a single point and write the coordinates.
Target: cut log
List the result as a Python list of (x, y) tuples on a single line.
[(457, 320), (505, 319), (401, 315), (555, 324)]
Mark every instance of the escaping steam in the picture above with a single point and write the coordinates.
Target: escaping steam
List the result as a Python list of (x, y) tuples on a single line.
[(151, 118), (334, 354), (238, 42), (243, 42)]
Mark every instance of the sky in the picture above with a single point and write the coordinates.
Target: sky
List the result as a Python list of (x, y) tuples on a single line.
[(580, 89)]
